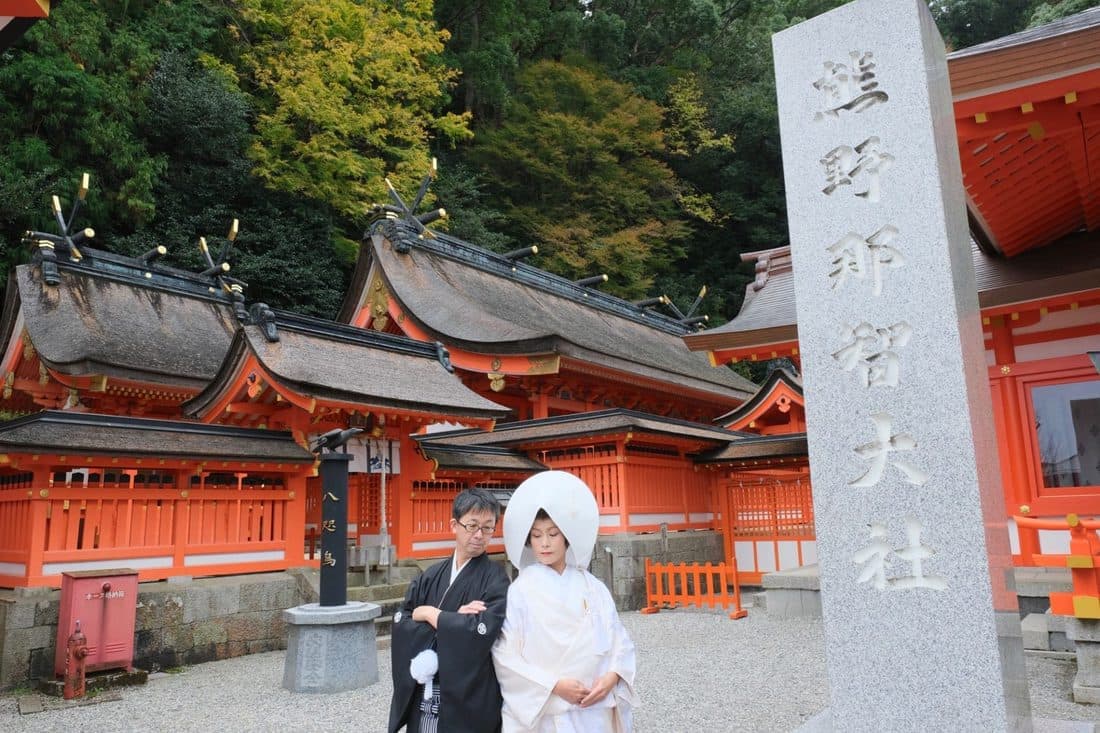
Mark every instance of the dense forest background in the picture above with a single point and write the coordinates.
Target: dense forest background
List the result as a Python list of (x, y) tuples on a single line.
[(633, 137)]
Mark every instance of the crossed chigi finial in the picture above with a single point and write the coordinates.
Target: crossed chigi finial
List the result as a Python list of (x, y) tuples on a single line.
[(66, 241), (218, 268), (259, 314), (687, 318), (400, 210)]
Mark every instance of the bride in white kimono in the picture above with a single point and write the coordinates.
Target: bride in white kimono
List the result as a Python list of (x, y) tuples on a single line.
[(564, 660)]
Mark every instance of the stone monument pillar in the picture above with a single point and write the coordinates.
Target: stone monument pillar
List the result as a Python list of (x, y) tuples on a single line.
[(921, 624), (334, 528), (331, 645)]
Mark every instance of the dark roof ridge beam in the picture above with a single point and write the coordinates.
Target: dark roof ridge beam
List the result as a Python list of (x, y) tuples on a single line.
[(112, 267), (361, 336), (140, 423), (471, 255)]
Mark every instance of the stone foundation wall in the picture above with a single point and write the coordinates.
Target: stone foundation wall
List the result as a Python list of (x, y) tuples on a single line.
[(626, 556), (177, 622), (188, 622)]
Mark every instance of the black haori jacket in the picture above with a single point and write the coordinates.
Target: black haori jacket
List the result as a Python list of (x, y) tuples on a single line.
[(470, 699)]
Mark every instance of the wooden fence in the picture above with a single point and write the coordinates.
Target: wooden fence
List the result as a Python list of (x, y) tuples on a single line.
[(1083, 560), (160, 531), (638, 489), (671, 586), (364, 504), (771, 525)]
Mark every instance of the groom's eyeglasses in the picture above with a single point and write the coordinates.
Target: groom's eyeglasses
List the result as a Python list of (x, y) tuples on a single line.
[(474, 528)]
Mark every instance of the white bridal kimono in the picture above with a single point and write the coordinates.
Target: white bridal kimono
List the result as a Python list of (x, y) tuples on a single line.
[(560, 626)]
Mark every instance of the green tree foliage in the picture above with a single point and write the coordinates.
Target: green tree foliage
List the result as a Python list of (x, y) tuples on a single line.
[(733, 168), (472, 213), (346, 94), (489, 38), (638, 138), (1048, 12), (650, 43), (576, 164), (73, 101), (965, 23), (198, 122)]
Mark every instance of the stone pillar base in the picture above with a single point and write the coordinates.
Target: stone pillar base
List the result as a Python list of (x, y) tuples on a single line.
[(330, 648), (1085, 633)]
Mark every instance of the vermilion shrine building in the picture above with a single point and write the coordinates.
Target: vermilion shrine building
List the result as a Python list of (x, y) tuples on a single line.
[(167, 424), (138, 348), (1027, 112)]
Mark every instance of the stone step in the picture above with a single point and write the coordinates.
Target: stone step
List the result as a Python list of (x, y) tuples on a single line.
[(375, 593), (391, 603), (1046, 632), (384, 621), (388, 605)]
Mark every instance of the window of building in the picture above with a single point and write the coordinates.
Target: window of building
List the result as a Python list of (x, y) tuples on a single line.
[(1067, 431)]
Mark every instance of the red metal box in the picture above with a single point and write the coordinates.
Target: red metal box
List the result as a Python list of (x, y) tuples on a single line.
[(105, 604)]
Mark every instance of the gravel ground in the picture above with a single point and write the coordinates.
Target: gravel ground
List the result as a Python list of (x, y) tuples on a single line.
[(697, 671)]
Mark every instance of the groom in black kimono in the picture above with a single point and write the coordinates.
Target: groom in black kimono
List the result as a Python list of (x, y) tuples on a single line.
[(456, 608)]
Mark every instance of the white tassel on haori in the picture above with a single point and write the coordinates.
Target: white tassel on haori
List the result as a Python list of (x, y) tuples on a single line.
[(423, 668)]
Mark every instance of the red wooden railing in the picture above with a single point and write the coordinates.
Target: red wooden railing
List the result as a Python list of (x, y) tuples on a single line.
[(1083, 560), (767, 513), (161, 531), (430, 522), (600, 468), (364, 499), (671, 586), (638, 489)]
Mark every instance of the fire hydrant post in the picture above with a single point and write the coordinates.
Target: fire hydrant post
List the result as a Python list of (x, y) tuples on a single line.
[(75, 651)]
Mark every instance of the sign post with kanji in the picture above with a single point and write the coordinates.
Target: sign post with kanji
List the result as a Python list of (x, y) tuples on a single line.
[(921, 624), (334, 528)]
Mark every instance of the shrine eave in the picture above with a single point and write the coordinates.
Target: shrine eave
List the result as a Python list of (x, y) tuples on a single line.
[(91, 324), (1066, 269), (471, 257), (585, 425), (332, 363), (79, 374), (764, 340), (1049, 51), (767, 313), (733, 388), (762, 396), (758, 448), (487, 459), (69, 433), (1070, 265), (1027, 113)]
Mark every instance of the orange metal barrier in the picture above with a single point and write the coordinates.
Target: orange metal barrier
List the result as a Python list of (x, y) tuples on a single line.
[(1083, 561), (670, 585)]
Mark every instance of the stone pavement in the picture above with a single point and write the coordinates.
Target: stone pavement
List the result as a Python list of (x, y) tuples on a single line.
[(697, 671)]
